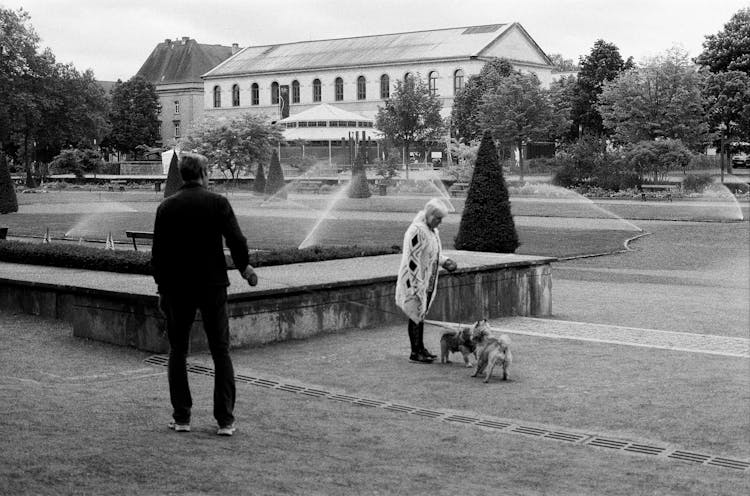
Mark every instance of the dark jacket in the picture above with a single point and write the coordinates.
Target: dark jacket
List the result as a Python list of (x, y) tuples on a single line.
[(188, 252)]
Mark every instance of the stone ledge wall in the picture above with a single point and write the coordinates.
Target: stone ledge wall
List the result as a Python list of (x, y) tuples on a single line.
[(262, 317)]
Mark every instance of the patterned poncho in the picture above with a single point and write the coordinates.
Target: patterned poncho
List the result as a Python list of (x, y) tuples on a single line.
[(417, 274)]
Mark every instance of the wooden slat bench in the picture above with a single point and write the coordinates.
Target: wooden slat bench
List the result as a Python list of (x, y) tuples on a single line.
[(652, 190), (139, 235), (459, 189), (116, 183), (308, 186)]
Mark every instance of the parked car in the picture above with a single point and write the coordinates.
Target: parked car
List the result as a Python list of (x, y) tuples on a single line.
[(740, 160)]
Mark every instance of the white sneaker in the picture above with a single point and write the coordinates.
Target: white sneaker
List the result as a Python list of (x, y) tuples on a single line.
[(179, 427), (226, 431)]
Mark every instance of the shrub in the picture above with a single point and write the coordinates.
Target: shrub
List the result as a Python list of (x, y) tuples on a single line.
[(487, 223), (696, 182), (77, 162), (138, 262), (275, 181), (259, 183), (359, 188), (174, 180), (8, 199)]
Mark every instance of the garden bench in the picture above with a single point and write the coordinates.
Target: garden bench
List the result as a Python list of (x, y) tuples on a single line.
[(139, 235), (308, 186), (657, 188), (459, 189), (116, 183)]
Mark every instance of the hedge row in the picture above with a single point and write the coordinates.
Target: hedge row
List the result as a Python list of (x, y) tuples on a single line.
[(139, 262)]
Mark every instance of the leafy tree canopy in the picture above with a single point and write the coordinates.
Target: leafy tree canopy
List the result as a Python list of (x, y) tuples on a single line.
[(729, 49), (465, 113), (660, 99), (411, 115), (603, 64), (134, 115), (727, 96), (235, 145)]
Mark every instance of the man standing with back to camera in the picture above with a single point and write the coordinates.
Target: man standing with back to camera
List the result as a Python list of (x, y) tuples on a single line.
[(190, 271)]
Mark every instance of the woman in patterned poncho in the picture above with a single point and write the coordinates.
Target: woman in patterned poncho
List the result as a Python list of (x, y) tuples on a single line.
[(418, 273)]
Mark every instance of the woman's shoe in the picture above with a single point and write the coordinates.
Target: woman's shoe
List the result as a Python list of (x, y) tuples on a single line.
[(428, 354)]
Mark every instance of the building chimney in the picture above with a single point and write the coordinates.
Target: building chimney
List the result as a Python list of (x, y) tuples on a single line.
[(235, 48)]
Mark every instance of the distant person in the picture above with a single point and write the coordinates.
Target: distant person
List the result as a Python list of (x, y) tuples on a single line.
[(190, 272), (418, 274)]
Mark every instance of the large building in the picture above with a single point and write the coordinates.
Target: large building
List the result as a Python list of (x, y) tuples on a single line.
[(358, 74), (175, 67)]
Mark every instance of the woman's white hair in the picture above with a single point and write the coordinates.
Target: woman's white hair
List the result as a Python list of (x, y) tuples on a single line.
[(435, 206)]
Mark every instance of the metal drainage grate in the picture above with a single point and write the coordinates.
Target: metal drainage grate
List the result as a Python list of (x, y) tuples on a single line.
[(487, 423)]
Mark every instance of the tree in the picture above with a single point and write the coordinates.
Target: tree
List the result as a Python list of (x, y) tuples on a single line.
[(174, 178), (465, 113), (44, 106), (259, 183), (727, 97), (275, 183), (518, 110), (411, 115), (235, 145), (729, 49), (487, 223), (562, 95), (8, 199), (134, 115), (657, 158), (76, 161), (659, 99), (359, 187), (603, 64)]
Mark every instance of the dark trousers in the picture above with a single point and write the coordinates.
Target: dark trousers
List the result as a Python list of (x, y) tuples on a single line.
[(179, 308), (416, 336)]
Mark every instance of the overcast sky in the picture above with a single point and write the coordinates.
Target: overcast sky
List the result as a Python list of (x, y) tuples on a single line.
[(114, 37)]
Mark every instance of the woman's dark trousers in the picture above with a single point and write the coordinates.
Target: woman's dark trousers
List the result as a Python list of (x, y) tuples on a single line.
[(179, 308), (416, 336)]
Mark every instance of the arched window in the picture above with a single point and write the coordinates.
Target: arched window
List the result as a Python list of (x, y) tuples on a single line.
[(255, 93), (295, 91), (339, 84), (458, 81), (408, 79), (316, 90), (433, 83), (217, 96), (235, 96), (361, 88), (385, 87), (274, 93)]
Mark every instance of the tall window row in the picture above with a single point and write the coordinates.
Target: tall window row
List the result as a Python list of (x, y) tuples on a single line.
[(338, 89)]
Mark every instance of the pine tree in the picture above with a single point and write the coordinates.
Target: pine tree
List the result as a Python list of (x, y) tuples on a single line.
[(174, 180), (8, 200), (275, 181), (487, 223), (259, 184), (359, 187)]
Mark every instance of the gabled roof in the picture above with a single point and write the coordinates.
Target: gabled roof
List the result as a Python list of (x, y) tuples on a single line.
[(182, 61), (325, 112), (450, 43)]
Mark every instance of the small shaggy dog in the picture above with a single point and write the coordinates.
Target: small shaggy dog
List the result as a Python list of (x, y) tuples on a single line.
[(490, 351), (457, 341)]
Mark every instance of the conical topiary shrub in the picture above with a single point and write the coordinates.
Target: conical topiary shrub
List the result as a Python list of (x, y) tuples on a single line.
[(359, 188), (8, 199), (275, 181), (259, 183), (486, 223), (174, 180)]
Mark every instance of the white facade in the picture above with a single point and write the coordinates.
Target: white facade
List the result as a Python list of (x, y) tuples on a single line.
[(514, 44)]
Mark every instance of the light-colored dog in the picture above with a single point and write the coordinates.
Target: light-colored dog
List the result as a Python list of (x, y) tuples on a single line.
[(490, 351)]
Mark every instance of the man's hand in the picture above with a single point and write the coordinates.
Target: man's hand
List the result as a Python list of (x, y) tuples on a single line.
[(450, 265), (249, 275)]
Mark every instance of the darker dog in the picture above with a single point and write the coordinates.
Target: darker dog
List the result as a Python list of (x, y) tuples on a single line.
[(457, 341), (490, 351)]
